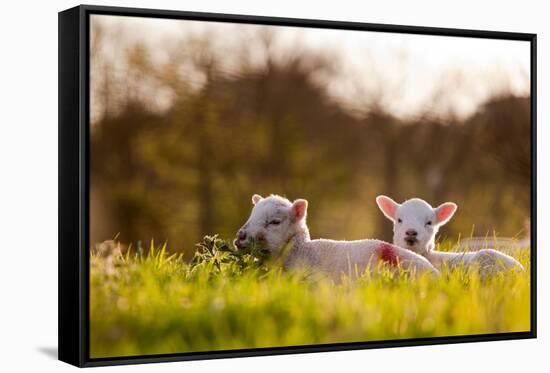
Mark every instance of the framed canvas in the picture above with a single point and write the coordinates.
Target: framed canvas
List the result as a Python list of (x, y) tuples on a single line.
[(235, 186)]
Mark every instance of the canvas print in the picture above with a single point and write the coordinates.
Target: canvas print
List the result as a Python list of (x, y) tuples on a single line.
[(260, 186)]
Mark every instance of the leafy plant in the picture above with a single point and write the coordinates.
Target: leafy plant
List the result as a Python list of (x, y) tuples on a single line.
[(220, 257)]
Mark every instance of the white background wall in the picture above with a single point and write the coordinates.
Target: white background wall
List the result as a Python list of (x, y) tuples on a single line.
[(28, 184)]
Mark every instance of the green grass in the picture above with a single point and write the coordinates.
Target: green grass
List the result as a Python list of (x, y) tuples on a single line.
[(154, 303)]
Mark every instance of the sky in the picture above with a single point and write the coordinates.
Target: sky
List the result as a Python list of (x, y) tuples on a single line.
[(407, 74)]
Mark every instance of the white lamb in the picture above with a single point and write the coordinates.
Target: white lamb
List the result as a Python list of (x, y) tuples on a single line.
[(276, 223), (415, 224)]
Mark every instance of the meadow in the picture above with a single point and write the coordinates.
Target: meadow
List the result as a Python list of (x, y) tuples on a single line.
[(146, 302)]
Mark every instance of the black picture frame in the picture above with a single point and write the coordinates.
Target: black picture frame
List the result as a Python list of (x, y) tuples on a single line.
[(74, 107)]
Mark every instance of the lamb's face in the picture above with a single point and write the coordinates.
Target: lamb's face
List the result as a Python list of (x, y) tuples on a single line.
[(273, 222), (414, 225), (415, 222)]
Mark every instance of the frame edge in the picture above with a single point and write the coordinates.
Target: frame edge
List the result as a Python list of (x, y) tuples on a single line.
[(69, 259)]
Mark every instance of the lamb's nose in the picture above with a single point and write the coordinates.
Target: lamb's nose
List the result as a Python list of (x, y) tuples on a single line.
[(411, 232), (241, 235)]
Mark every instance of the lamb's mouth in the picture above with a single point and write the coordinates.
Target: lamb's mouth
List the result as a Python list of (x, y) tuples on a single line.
[(239, 244), (249, 243), (411, 241)]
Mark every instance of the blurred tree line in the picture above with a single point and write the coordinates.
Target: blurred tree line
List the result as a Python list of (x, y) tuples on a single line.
[(179, 170)]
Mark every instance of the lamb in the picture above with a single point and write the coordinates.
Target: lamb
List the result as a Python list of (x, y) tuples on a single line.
[(415, 225), (279, 226)]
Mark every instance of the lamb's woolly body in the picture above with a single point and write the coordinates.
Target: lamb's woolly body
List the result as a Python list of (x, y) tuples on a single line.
[(331, 257), (351, 257), (487, 259), (414, 215)]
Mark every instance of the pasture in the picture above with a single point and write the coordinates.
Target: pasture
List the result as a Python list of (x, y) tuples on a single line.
[(146, 302)]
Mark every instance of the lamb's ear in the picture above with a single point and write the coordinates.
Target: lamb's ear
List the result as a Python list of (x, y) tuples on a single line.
[(256, 198), (298, 211), (445, 212), (388, 206)]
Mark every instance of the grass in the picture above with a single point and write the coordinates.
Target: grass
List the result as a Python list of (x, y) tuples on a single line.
[(156, 303)]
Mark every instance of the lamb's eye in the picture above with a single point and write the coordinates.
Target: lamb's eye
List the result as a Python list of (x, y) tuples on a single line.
[(274, 222), (429, 222), (399, 221)]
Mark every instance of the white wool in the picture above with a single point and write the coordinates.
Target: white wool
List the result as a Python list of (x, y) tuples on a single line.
[(415, 225), (276, 223)]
